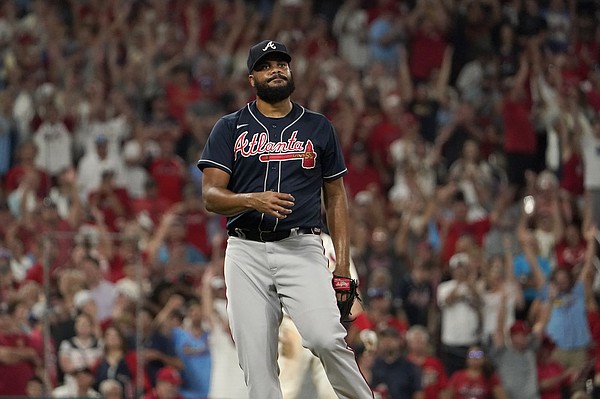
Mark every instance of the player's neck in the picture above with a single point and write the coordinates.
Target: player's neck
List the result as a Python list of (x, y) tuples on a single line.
[(277, 110)]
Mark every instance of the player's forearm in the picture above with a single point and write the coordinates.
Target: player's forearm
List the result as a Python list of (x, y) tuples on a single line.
[(225, 202), (337, 219)]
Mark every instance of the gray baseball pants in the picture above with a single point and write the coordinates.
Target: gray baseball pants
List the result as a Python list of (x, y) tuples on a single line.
[(263, 278)]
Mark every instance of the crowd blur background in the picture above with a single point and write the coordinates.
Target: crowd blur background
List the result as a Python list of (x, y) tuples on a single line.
[(472, 139)]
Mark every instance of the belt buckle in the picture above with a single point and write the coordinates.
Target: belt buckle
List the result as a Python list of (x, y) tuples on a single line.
[(294, 232)]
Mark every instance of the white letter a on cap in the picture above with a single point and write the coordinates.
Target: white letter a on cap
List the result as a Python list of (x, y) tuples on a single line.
[(270, 45)]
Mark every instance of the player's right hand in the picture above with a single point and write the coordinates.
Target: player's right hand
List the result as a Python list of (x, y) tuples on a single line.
[(273, 203)]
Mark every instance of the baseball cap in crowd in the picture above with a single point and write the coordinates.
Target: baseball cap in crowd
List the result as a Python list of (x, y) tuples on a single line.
[(258, 51), (458, 259), (519, 327), (101, 138), (169, 374)]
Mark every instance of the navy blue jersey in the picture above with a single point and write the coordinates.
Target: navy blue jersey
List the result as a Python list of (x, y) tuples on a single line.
[(294, 154)]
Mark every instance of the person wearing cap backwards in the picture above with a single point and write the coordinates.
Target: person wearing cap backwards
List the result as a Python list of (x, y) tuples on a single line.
[(168, 381), (267, 167)]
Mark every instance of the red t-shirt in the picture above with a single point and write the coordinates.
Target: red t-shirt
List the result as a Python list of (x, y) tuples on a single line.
[(169, 175), (196, 222), (104, 205), (568, 257), (363, 322), (426, 53), (433, 375), (593, 318), (549, 370), (357, 180), (477, 229), (180, 98), (155, 207), (572, 175), (381, 138), (519, 134), (14, 377), (15, 176), (468, 387)]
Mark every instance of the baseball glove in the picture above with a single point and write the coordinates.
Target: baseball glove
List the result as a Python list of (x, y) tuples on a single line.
[(346, 290)]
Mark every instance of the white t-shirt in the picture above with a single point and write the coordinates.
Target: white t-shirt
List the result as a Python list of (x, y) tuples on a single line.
[(460, 321)]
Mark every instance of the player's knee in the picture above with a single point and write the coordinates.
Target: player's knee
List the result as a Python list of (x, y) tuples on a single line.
[(324, 343)]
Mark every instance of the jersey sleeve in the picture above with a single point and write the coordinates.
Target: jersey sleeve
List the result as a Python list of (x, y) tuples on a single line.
[(218, 151), (334, 165)]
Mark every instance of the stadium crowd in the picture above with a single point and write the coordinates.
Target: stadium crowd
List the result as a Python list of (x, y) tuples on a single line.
[(471, 132)]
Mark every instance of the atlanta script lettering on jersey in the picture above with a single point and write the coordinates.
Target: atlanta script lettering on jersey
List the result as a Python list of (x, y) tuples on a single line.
[(292, 149)]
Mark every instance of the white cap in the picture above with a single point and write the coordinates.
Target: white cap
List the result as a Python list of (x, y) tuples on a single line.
[(81, 298), (458, 259)]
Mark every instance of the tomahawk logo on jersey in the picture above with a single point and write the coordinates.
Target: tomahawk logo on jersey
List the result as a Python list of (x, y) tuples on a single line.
[(293, 154)]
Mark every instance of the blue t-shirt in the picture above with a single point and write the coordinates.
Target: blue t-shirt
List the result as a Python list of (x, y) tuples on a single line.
[(522, 269), (195, 354), (568, 324)]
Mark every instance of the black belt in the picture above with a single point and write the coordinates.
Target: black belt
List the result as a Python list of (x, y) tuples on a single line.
[(270, 236)]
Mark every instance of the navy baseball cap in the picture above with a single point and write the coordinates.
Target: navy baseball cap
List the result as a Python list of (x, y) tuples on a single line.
[(258, 51)]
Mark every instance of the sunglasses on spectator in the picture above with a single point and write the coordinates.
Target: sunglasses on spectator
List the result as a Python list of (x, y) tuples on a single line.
[(475, 354)]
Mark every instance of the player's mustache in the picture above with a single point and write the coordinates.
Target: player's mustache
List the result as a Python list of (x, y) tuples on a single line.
[(278, 76)]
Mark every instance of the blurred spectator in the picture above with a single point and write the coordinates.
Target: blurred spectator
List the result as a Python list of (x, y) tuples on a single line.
[(35, 387), (568, 325), (394, 376), (378, 315), (520, 141), (385, 35), (112, 201), (530, 268), (192, 347), (112, 365), (477, 379), (157, 349), (433, 375), (18, 359), (26, 171), (54, 143), (94, 164), (111, 389), (65, 195), (227, 379), (363, 176), (350, 27), (499, 288), (416, 294), (168, 250), (515, 355), (168, 383), (168, 170), (590, 142), (552, 377), (80, 352), (81, 386), (102, 291), (460, 304)]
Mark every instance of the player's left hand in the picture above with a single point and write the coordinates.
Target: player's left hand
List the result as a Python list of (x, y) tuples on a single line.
[(273, 203)]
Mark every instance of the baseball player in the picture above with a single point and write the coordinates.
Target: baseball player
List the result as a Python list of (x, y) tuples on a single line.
[(266, 167)]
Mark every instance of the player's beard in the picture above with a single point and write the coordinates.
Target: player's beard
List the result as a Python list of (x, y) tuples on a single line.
[(273, 95)]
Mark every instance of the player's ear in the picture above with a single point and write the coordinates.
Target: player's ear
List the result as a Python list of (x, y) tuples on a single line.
[(251, 80)]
